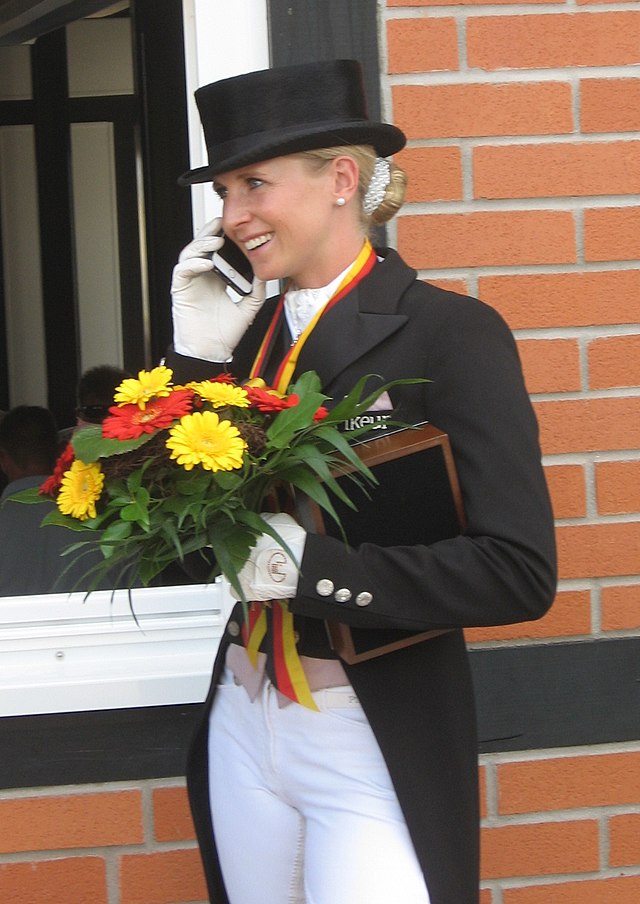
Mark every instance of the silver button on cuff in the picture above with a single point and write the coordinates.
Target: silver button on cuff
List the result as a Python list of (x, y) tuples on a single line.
[(343, 595), (364, 598), (233, 628), (324, 587)]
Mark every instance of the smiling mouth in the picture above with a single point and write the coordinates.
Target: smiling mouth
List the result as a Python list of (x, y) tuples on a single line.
[(258, 241)]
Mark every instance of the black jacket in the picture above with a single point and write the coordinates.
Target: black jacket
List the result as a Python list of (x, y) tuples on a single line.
[(501, 569)]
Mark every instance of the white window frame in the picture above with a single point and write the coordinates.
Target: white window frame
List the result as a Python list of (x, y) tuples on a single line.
[(222, 38), (109, 650), (69, 652)]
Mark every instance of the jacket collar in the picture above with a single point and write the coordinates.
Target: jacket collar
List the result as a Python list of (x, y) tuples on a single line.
[(360, 321)]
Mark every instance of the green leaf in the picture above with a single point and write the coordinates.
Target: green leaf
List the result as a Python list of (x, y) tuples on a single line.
[(353, 404), (31, 495), (142, 496), (346, 407), (313, 488), (193, 484), (227, 480), (341, 444), (135, 512), (307, 382), (56, 517), (118, 530), (89, 444), (292, 420)]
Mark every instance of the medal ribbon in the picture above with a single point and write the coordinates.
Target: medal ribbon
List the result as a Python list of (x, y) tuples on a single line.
[(253, 631), (274, 621), (362, 265), (288, 674), (284, 662)]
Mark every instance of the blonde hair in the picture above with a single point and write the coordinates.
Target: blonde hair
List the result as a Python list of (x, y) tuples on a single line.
[(365, 156)]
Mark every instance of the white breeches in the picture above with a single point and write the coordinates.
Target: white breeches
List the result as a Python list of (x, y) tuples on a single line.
[(303, 807)]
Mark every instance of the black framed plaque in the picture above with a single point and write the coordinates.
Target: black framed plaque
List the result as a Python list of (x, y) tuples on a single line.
[(417, 500)]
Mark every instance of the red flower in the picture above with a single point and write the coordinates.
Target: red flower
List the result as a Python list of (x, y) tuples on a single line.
[(264, 400), (52, 484), (130, 421)]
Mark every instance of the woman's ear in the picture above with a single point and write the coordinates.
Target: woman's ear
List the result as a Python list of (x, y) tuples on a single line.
[(346, 176)]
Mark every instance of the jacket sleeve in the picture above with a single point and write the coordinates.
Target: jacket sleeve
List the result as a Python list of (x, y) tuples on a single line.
[(502, 569)]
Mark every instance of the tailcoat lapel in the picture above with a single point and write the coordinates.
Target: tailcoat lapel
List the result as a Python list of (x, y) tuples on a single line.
[(359, 322)]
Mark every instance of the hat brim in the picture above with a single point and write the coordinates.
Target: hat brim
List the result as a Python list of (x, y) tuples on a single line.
[(385, 138)]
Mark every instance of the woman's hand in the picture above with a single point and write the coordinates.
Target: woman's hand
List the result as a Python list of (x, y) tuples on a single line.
[(270, 572), (207, 324)]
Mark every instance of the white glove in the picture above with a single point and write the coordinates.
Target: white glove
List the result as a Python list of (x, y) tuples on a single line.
[(270, 573), (207, 324)]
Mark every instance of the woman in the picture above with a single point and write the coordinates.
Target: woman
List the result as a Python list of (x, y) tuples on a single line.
[(372, 796)]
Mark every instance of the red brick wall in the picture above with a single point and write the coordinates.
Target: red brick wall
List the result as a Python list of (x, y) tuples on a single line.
[(524, 167), (108, 844), (558, 826)]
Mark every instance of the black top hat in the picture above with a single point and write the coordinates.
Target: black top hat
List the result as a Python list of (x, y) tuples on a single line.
[(265, 114)]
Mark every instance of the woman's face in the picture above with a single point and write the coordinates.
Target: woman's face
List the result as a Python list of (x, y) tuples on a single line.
[(282, 213)]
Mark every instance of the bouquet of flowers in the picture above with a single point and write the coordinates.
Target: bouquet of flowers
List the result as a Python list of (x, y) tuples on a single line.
[(181, 469)]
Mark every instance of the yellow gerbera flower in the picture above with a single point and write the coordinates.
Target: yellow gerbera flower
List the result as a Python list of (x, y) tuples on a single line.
[(203, 439), (150, 384), (80, 490), (221, 394)]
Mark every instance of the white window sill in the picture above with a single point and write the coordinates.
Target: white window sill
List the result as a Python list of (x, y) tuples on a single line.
[(71, 653)]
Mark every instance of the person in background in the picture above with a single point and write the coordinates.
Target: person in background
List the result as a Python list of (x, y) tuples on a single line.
[(96, 388), (31, 556), (366, 793), (94, 397)]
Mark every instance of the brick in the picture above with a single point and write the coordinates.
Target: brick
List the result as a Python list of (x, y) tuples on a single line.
[(568, 782), (539, 849), (162, 878), (75, 880), (410, 3), (434, 174), (561, 40), (471, 110), (482, 782), (624, 840), (604, 891), (487, 238), (589, 425), (620, 607), (70, 821), (567, 488), (171, 815), (618, 487), (451, 285), (553, 170), (550, 365), (422, 45), (570, 616), (548, 300), (486, 896), (598, 550), (614, 361), (610, 105), (612, 234)]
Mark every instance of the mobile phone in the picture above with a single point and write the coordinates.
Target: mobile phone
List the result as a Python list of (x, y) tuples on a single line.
[(233, 267)]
